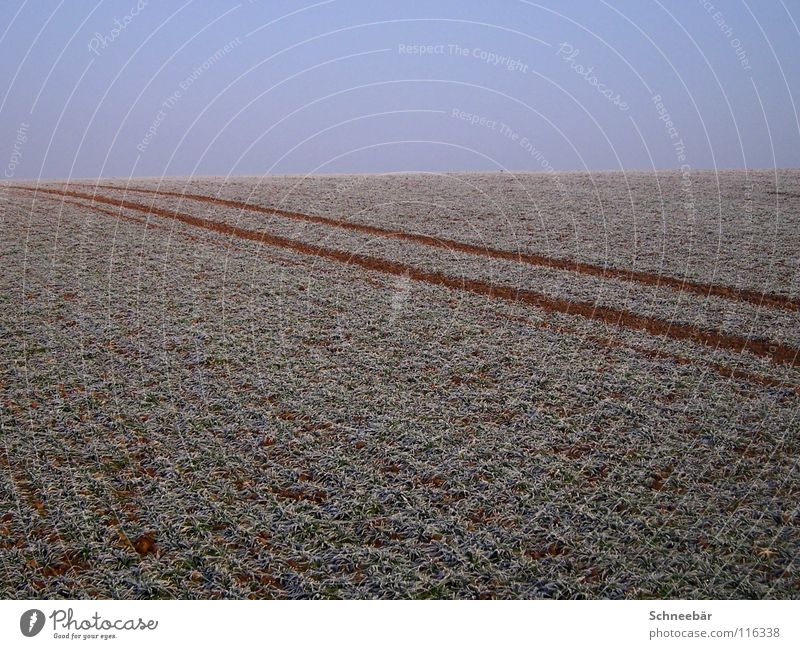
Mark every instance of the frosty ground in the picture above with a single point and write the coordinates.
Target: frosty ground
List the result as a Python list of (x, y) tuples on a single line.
[(344, 386)]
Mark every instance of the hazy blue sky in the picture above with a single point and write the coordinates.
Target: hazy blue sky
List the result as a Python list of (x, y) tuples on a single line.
[(202, 87)]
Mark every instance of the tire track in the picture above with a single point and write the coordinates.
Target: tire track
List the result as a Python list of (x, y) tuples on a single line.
[(150, 225), (608, 343), (758, 298), (116, 215), (776, 351)]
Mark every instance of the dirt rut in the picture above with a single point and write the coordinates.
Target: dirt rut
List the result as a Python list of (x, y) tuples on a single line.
[(773, 350), (556, 263)]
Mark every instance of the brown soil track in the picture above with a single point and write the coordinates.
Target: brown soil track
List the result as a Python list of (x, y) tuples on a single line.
[(773, 350), (642, 277), (116, 215), (608, 343), (150, 224)]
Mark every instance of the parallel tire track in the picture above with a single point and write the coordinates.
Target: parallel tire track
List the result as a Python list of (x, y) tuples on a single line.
[(556, 263), (608, 343), (655, 354), (776, 351)]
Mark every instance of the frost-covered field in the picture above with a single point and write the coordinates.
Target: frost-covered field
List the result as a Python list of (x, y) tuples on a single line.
[(455, 385)]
